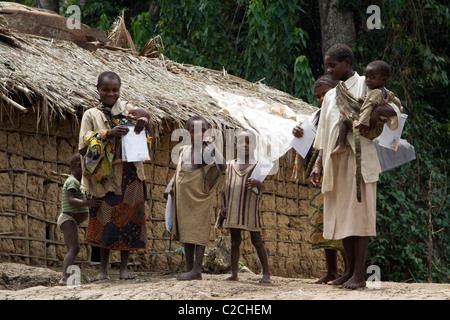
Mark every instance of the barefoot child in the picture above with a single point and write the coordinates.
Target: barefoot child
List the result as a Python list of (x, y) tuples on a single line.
[(240, 215), (74, 211), (193, 191), (377, 73)]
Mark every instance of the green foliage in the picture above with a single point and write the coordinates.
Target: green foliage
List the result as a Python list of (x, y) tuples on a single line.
[(304, 80), (142, 29), (254, 39)]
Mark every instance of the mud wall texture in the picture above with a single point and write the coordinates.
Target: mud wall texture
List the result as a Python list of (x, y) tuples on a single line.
[(32, 165)]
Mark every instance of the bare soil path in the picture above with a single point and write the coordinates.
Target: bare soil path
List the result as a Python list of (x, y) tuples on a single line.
[(21, 282)]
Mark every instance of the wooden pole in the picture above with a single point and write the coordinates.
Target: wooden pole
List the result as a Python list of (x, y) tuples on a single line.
[(430, 233)]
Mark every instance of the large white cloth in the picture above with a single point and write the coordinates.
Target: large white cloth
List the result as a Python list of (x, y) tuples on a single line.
[(273, 123)]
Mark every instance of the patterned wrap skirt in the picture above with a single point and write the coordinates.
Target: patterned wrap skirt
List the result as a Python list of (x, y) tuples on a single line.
[(315, 222), (119, 222)]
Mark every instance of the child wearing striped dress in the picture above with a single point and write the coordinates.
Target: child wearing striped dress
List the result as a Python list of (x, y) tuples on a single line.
[(240, 203)]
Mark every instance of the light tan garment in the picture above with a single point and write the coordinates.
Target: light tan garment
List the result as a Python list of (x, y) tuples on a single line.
[(344, 216), (328, 132), (242, 204), (194, 197), (375, 98), (94, 120)]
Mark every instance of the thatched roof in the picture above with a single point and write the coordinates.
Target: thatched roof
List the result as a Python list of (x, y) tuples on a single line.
[(57, 77)]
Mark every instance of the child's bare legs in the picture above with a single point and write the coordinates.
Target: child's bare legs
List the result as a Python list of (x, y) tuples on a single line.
[(124, 273), (194, 259), (357, 279), (70, 230), (332, 268), (262, 255), (235, 253), (104, 262), (344, 127), (355, 254)]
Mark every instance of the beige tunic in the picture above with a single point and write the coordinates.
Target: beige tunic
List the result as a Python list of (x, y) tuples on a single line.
[(344, 216), (375, 98), (242, 204), (193, 204)]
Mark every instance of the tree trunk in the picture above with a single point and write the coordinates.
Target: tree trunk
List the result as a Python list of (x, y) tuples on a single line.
[(52, 5), (336, 25)]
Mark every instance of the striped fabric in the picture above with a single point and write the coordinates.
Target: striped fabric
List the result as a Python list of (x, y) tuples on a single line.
[(242, 204), (72, 183)]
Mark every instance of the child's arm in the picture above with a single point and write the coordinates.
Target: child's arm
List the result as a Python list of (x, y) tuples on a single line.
[(251, 183), (75, 202), (218, 156), (317, 169), (223, 204), (142, 117), (384, 110)]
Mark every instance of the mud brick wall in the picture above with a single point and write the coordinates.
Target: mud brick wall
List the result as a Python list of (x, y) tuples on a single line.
[(31, 165), (30, 188)]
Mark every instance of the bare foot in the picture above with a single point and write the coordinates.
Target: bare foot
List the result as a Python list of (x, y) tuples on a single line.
[(339, 281), (265, 278), (63, 282), (232, 278), (191, 275), (100, 276), (126, 276), (354, 283), (326, 278), (116, 161), (339, 149)]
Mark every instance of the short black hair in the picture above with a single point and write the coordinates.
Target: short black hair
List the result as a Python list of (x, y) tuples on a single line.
[(340, 52), (107, 75), (74, 160), (380, 67), (325, 80), (195, 118)]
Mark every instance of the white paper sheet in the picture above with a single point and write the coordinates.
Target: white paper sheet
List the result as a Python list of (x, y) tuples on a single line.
[(262, 169), (168, 214), (390, 139), (303, 144), (134, 146)]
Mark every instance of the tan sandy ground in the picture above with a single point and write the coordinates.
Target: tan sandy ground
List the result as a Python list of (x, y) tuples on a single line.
[(156, 286)]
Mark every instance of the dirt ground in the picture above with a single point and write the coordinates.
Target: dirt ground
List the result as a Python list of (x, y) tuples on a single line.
[(21, 282)]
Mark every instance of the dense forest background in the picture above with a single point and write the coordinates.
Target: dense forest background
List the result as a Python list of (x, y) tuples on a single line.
[(281, 43)]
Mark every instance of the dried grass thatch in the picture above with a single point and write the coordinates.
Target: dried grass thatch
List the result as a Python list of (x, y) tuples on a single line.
[(56, 78)]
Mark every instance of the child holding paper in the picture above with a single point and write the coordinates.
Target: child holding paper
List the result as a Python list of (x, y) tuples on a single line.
[(240, 203)]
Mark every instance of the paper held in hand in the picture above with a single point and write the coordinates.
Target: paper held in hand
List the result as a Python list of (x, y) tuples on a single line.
[(303, 144), (390, 138), (261, 170), (134, 146)]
